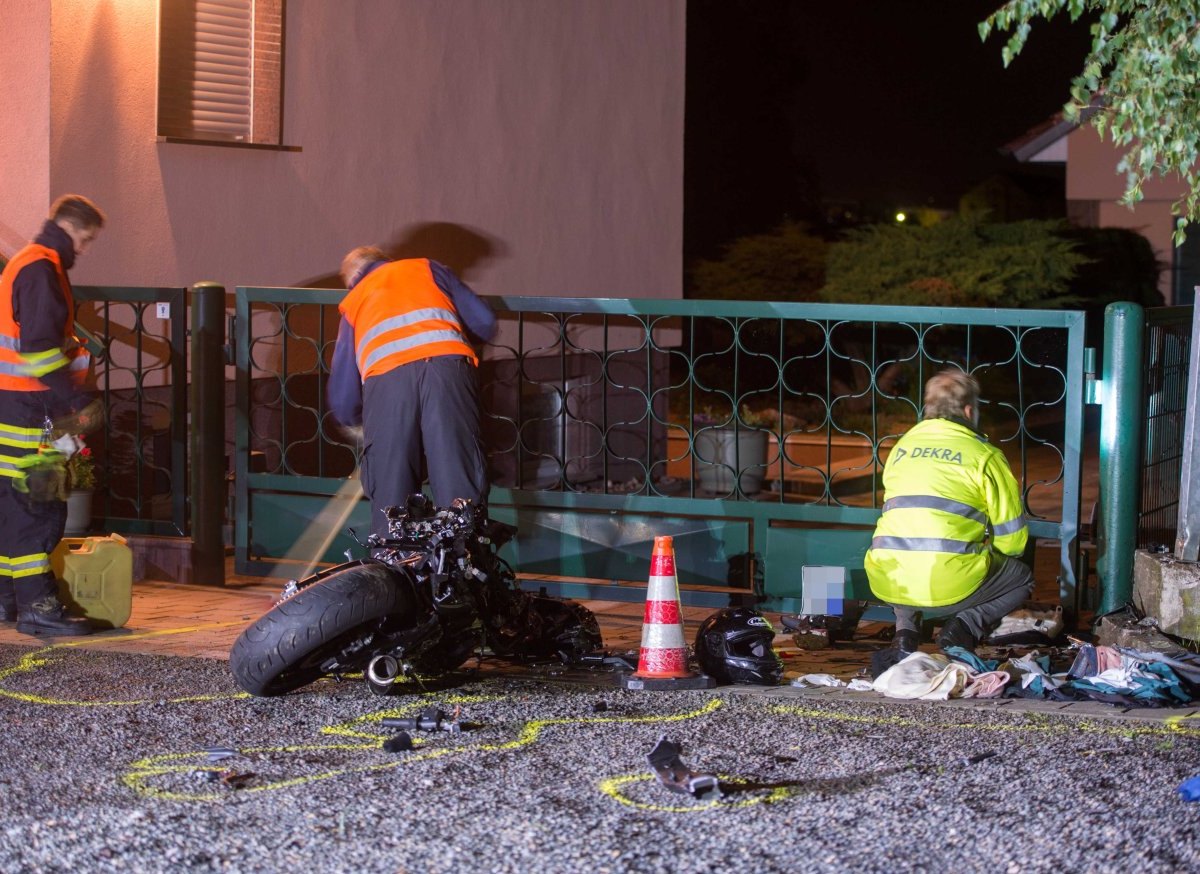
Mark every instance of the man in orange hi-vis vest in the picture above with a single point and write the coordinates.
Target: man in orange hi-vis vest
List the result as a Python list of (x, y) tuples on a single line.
[(404, 368), (42, 366)]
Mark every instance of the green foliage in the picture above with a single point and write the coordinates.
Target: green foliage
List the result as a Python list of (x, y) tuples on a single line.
[(963, 261), (785, 264), (1140, 76)]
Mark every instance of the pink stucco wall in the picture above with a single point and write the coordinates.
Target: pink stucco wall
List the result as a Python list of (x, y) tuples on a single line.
[(545, 136), (1092, 175), (24, 136)]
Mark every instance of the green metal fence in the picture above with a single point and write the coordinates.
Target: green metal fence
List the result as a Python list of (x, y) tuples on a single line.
[(1165, 390), (752, 433), (138, 339), (1143, 397)]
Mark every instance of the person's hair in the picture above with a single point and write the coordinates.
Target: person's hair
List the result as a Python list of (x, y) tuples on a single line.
[(358, 258), (77, 210), (949, 393)]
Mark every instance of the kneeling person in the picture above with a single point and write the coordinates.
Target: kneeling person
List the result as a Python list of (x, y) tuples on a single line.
[(953, 524)]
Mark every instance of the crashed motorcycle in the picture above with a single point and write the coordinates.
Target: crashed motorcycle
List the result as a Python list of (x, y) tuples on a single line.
[(432, 593)]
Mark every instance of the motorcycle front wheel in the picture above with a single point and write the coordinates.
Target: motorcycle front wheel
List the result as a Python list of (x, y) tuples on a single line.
[(286, 647)]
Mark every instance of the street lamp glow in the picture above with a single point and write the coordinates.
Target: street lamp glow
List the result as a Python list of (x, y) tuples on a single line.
[(900, 217)]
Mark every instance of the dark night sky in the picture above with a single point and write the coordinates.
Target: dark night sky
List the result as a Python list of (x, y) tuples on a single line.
[(795, 102)]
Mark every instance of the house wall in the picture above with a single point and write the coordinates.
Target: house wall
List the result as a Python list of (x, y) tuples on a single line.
[(535, 145), (1092, 177), (24, 134)]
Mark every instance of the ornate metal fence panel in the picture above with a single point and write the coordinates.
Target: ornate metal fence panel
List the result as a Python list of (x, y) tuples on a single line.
[(1165, 392), (753, 433), (138, 338)]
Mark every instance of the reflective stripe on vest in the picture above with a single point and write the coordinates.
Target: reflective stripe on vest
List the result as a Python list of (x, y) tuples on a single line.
[(399, 314), (926, 544), (19, 371)]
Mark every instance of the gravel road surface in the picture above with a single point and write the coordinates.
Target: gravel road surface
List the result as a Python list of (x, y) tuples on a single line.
[(106, 769)]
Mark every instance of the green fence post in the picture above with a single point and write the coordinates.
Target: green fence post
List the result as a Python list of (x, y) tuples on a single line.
[(1122, 418), (208, 432)]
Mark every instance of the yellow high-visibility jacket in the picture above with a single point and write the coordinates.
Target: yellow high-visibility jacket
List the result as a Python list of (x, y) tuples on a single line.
[(949, 500)]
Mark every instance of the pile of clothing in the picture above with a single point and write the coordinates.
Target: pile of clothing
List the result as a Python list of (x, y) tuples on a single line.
[(1114, 675)]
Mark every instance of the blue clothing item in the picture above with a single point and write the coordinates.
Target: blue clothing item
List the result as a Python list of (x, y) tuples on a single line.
[(972, 661), (1189, 789), (345, 382)]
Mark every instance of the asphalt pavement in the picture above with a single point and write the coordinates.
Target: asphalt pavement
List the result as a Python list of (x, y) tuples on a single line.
[(117, 761)]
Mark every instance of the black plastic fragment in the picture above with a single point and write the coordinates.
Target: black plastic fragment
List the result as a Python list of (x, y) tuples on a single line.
[(398, 743), (675, 775)]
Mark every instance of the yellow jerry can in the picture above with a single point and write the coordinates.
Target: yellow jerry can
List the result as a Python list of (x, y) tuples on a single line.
[(95, 577)]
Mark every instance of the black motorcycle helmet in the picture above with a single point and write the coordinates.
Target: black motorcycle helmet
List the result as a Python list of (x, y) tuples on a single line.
[(734, 646)]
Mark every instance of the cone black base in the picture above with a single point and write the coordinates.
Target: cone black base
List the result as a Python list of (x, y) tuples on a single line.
[(667, 684)]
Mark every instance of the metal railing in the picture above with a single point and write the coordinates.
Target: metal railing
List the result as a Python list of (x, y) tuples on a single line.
[(754, 433), (139, 348)]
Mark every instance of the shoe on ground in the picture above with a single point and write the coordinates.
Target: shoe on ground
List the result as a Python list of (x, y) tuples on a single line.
[(956, 633), (8, 612), (907, 641), (49, 616)]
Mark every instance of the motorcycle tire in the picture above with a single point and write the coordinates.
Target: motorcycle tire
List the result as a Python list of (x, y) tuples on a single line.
[(286, 647)]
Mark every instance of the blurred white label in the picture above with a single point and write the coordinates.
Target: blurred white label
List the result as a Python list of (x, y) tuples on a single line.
[(164, 310)]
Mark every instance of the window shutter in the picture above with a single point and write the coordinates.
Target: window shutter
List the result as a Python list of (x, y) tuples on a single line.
[(209, 53)]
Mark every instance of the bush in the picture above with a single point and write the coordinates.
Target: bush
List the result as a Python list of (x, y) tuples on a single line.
[(786, 264), (963, 261)]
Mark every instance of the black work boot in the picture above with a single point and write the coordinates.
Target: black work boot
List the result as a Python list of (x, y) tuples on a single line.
[(956, 633), (906, 641), (47, 615), (8, 605)]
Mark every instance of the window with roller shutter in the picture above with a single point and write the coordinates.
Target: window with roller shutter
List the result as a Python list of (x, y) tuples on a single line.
[(220, 71)]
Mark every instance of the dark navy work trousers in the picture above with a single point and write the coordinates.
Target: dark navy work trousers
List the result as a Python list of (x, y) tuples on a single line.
[(422, 417)]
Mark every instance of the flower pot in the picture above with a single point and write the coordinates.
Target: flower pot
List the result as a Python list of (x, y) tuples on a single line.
[(79, 512), (724, 453)]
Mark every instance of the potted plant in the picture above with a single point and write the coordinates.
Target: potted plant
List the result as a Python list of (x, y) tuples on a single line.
[(732, 450), (81, 483)]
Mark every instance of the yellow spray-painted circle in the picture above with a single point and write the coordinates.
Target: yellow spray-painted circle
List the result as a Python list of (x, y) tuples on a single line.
[(614, 788)]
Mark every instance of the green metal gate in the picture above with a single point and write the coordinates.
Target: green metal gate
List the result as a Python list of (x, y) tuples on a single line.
[(138, 341), (753, 433)]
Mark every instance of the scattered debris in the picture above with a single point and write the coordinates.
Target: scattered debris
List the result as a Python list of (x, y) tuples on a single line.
[(626, 662), (979, 757), (675, 775), (431, 719), (599, 706), (217, 754), (398, 743), (818, 680), (236, 779)]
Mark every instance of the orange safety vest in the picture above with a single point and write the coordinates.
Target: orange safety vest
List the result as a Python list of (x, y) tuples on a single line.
[(19, 371), (400, 315)]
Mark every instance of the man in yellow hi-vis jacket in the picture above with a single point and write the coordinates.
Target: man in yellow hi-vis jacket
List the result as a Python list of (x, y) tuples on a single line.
[(952, 526)]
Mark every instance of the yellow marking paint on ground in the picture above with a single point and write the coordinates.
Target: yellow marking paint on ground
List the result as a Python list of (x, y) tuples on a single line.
[(1170, 725), (32, 661), (614, 788), (141, 771)]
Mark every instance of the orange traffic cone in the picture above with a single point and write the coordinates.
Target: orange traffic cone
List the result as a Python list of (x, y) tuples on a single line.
[(663, 660)]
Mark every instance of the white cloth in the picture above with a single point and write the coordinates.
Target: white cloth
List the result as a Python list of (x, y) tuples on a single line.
[(930, 677), (818, 680), (68, 444)]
